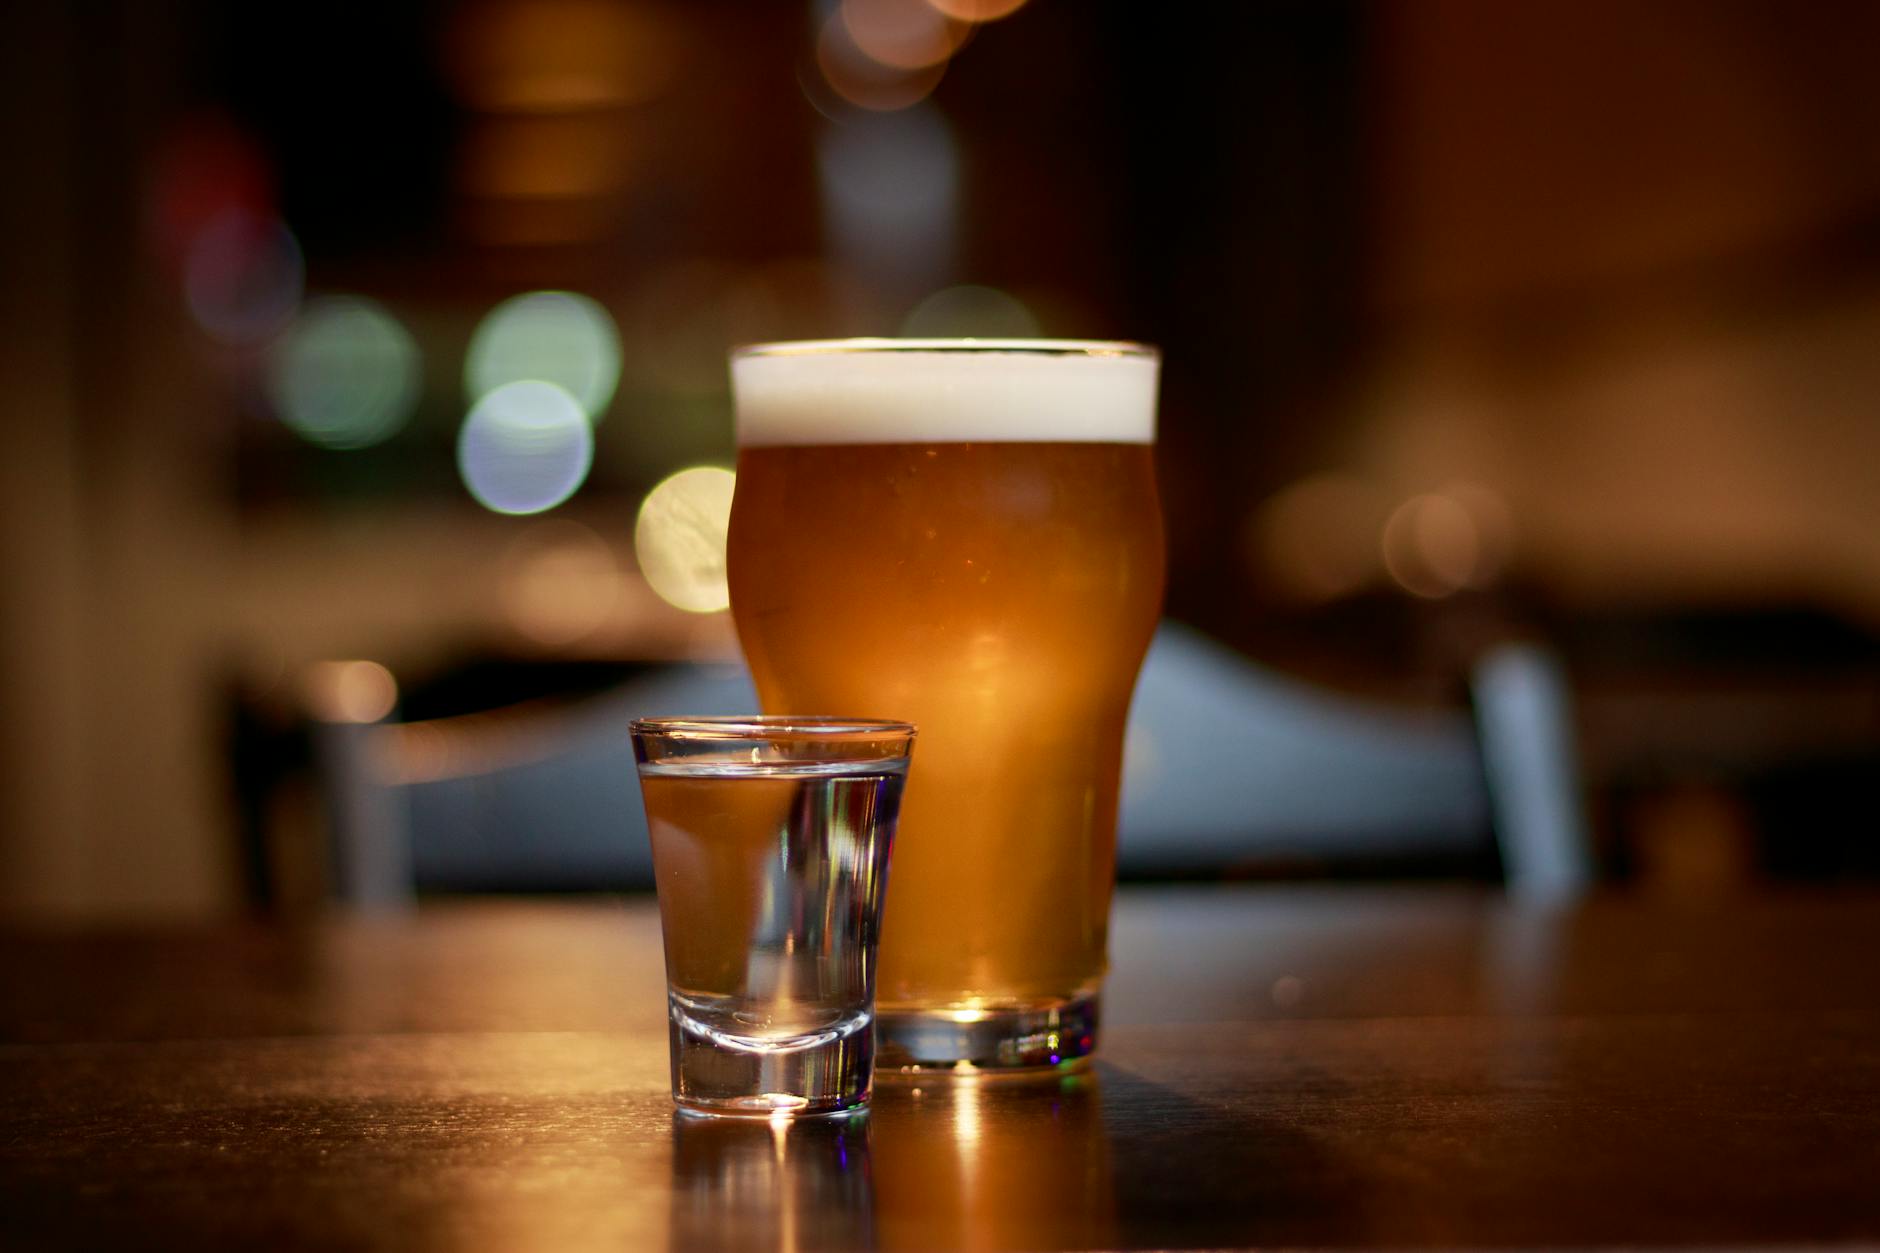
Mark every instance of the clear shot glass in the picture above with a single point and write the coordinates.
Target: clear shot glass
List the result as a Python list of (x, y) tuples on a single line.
[(771, 838)]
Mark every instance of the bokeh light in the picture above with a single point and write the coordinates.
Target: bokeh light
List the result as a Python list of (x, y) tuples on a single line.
[(550, 337), (350, 691), (1494, 529), (346, 374), (973, 312), (1431, 546), (679, 538), (525, 447), (865, 82), (902, 34), (242, 277), (560, 581), (977, 10), (1317, 539)]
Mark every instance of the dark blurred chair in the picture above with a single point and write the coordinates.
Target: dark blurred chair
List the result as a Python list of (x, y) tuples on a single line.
[(529, 798), (1229, 768), (1233, 766)]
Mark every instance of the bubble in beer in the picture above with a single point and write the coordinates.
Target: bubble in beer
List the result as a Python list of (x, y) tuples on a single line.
[(973, 312), (345, 374), (550, 336), (524, 448), (680, 538)]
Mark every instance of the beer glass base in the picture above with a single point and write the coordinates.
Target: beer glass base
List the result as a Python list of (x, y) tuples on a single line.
[(972, 1041)]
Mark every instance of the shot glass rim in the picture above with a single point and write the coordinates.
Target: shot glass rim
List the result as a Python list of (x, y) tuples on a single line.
[(966, 345), (771, 726)]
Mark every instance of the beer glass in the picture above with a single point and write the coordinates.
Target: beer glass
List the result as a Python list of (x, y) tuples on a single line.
[(964, 534)]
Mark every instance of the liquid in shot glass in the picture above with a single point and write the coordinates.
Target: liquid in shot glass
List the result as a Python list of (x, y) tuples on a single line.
[(771, 839)]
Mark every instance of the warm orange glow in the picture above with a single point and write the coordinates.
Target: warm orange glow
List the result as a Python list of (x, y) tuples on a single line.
[(560, 582), (532, 223), (1317, 539), (904, 34), (977, 10), (544, 56), (351, 691), (530, 158), (1431, 546), (865, 82), (1494, 529), (1437, 544)]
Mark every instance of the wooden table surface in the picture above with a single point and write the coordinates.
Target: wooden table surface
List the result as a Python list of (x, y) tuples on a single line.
[(1278, 1066)]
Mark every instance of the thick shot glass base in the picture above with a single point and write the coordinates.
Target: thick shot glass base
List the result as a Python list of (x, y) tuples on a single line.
[(992, 1041), (716, 1073)]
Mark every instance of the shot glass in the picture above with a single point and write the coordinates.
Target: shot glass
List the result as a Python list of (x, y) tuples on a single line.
[(771, 838)]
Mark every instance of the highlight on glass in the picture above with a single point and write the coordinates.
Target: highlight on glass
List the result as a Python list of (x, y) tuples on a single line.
[(771, 838)]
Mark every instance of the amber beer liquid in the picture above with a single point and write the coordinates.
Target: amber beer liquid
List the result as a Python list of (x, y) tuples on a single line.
[(964, 535)]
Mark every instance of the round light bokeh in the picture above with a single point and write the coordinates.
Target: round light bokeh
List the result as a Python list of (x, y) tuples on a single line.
[(901, 34), (525, 447), (1316, 540), (1431, 546), (242, 277), (679, 538), (551, 337), (865, 82), (351, 691), (559, 581), (978, 10), (346, 374)]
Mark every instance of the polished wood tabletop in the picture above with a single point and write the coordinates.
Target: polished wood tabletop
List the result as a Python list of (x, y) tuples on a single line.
[(1291, 1066)]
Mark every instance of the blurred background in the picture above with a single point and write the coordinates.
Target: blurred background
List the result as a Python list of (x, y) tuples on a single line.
[(367, 361)]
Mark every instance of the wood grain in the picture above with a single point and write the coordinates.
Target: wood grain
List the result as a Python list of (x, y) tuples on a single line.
[(1349, 1067)]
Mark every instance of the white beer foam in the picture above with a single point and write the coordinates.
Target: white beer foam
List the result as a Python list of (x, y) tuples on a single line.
[(899, 392)]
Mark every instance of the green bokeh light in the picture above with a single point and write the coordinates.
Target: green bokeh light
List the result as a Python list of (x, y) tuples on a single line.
[(345, 374), (552, 337)]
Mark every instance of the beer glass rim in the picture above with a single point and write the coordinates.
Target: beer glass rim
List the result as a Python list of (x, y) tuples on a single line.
[(814, 727), (1027, 347)]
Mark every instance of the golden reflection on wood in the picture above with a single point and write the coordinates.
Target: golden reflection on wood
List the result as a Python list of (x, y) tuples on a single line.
[(992, 1163)]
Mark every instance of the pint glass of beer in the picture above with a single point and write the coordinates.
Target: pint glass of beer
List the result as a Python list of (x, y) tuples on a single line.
[(965, 535)]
